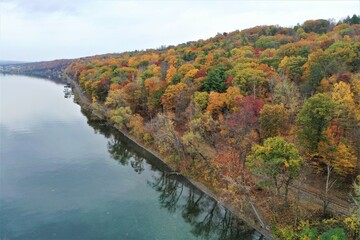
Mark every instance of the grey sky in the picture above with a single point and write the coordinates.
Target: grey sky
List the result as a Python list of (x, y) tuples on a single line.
[(33, 30)]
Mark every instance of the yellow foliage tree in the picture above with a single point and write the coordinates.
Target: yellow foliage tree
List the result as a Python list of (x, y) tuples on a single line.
[(344, 160), (343, 96), (209, 60), (172, 60), (133, 62), (170, 74), (145, 57), (216, 102), (154, 57), (346, 110), (201, 99), (185, 68), (192, 73), (336, 154), (157, 71), (232, 94), (168, 98)]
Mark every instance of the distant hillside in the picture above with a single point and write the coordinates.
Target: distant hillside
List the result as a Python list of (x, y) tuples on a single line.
[(47, 69), (6, 62)]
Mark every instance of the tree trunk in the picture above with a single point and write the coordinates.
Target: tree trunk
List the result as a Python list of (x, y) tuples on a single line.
[(277, 188), (286, 194), (328, 186)]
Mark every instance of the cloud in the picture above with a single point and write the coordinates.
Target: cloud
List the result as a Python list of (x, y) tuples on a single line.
[(48, 7), (45, 30)]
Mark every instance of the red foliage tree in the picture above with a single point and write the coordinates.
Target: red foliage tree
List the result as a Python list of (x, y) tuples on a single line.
[(247, 115)]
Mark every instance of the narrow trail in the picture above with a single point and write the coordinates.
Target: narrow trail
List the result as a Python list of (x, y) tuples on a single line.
[(336, 205), (309, 194)]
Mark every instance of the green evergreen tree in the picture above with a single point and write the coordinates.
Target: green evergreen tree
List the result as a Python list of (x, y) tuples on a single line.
[(216, 79)]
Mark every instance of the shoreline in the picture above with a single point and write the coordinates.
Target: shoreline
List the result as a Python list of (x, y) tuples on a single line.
[(85, 104)]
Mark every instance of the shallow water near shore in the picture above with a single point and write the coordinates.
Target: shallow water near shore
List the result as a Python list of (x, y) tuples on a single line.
[(63, 176)]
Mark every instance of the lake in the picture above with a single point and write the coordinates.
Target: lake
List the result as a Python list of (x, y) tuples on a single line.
[(64, 176)]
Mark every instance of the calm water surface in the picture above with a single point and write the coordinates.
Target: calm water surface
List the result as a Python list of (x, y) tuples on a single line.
[(63, 176)]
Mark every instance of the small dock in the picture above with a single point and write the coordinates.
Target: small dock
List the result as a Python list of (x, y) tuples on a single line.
[(67, 90)]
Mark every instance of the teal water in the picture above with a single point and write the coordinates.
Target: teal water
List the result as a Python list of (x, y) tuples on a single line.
[(63, 176)]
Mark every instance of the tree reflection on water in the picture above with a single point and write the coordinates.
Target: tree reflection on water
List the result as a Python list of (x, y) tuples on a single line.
[(121, 153), (208, 218)]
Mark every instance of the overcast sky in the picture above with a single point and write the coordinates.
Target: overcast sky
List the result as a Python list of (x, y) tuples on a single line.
[(34, 30)]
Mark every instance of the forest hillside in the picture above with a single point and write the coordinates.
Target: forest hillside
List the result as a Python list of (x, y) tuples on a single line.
[(268, 115), (251, 114)]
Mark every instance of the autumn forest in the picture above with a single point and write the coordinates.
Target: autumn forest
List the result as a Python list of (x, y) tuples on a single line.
[(267, 118)]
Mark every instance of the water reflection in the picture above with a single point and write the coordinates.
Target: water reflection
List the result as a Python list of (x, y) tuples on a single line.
[(120, 153), (208, 218)]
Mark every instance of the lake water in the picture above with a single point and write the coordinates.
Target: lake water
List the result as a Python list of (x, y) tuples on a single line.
[(63, 176)]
